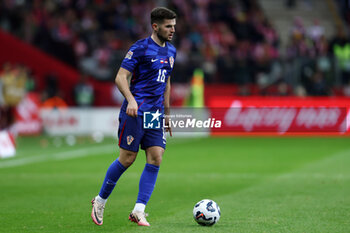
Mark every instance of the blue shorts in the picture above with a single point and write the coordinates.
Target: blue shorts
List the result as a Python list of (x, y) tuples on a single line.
[(131, 134)]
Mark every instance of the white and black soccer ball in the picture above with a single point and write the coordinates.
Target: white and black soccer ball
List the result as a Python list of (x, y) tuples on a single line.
[(206, 212)]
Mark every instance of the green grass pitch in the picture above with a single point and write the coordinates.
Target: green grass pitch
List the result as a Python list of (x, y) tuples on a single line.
[(271, 184)]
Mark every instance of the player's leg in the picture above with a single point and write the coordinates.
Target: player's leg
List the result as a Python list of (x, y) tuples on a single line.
[(149, 176), (153, 143), (147, 183), (115, 170), (129, 146)]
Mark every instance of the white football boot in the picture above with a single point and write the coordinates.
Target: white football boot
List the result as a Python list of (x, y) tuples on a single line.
[(97, 211), (139, 218)]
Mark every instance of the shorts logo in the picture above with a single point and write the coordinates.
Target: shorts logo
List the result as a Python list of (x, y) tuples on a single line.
[(129, 139), (129, 55), (171, 60), (151, 120)]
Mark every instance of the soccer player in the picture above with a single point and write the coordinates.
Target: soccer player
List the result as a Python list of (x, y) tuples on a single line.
[(148, 63)]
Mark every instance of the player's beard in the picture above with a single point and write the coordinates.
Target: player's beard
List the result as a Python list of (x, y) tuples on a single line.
[(161, 37)]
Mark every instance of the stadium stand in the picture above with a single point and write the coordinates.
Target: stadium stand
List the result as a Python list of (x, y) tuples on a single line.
[(243, 43)]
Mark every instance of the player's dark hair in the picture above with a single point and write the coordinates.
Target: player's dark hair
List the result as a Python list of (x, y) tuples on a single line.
[(161, 13)]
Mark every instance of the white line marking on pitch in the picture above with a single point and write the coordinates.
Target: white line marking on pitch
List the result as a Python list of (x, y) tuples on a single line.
[(76, 153), (82, 152)]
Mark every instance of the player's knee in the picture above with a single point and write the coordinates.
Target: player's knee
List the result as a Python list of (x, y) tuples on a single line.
[(127, 158), (154, 155), (156, 160)]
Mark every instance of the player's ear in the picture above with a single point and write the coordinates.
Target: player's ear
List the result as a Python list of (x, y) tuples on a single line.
[(155, 27)]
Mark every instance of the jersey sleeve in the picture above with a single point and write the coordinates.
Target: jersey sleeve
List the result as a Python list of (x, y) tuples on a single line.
[(132, 58)]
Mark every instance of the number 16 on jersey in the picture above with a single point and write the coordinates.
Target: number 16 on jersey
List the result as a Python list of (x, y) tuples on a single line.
[(161, 75)]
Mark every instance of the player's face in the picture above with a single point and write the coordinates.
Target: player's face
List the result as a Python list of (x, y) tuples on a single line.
[(165, 31)]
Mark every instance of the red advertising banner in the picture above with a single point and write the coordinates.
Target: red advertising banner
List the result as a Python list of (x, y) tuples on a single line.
[(266, 115)]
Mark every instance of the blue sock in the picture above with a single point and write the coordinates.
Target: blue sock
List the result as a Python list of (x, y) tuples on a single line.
[(114, 171), (147, 182)]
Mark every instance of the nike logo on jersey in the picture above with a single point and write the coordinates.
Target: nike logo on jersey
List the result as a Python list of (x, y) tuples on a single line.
[(153, 60)]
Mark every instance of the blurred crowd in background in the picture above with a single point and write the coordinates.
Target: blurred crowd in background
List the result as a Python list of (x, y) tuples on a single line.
[(231, 40), (14, 84)]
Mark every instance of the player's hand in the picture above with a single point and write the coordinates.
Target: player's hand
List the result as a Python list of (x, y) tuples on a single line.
[(131, 109), (167, 126)]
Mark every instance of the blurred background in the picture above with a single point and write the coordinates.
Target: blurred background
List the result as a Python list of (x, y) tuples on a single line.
[(65, 54)]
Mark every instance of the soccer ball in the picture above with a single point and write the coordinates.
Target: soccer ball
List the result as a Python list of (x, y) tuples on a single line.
[(206, 212)]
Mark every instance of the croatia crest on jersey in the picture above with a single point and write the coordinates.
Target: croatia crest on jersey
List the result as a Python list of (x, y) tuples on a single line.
[(129, 139), (171, 61)]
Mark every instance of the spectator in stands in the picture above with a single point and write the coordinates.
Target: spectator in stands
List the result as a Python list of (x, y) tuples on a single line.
[(298, 45), (283, 89), (13, 79), (53, 97), (30, 83), (318, 86), (226, 68), (54, 103), (263, 56), (300, 91), (340, 50), (243, 73), (84, 92), (52, 88), (323, 61), (315, 31), (298, 30), (98, 64)]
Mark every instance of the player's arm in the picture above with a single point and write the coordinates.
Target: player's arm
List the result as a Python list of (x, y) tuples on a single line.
[(167, 106), (121, 80)]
